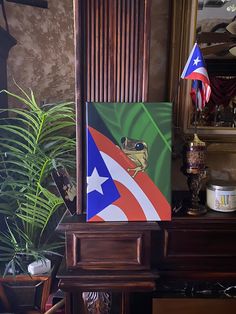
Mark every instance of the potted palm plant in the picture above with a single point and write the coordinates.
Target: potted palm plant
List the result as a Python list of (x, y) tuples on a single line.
[(34, 140)]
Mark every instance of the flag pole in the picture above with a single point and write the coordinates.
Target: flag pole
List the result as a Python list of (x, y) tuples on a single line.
[(196, 106), (174, 97), (173, 101)]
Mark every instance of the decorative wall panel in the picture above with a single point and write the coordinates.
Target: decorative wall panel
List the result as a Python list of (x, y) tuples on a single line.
[(115, 39)]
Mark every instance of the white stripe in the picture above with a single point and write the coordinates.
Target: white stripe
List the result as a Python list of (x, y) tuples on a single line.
[(112, 213), (119, 174), (207, 91), (202, 71), (199, 103), (188, 61)]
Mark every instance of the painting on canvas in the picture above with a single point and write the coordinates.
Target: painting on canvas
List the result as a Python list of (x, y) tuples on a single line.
[(128, 161)]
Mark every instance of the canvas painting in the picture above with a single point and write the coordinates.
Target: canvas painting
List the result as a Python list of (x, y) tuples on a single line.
[(128, 161)]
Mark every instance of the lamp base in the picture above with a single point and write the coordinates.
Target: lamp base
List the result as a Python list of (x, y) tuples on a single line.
[(197, 210)]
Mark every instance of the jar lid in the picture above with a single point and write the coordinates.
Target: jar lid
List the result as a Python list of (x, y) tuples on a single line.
[(197, 142), (221, 185)]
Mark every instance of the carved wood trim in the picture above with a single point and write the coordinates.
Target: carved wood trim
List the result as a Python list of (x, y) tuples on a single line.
[(125, 303), (115, 49), (119, 251), (182, 40), (78, 99), (127, 251), (97, 302)]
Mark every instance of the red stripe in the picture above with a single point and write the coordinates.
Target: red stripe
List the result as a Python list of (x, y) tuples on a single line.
[(131, 209), (198, 76), (96, 218), (198, 98), (155, 196), (203, 99)]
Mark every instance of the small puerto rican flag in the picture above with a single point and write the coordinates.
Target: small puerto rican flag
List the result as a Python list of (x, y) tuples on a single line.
[(112, 193), (195, 69)]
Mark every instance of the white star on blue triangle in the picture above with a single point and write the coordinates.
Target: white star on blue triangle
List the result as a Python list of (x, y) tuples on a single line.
[(95, 182), (101, 189)]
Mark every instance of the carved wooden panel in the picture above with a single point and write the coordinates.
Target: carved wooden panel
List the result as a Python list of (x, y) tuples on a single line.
[(115, 50), (205, 243), (190, 243), (97, 302), (119, 251), (116, 249)]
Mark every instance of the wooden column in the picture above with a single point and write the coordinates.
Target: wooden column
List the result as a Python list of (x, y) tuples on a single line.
[(112, 58), (6, 43), (115, 50)]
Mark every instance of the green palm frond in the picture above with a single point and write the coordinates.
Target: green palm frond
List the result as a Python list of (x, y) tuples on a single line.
[(33, 140), (38, 210)]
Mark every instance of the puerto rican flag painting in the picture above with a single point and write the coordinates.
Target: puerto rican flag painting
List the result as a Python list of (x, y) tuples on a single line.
[(115, 190)]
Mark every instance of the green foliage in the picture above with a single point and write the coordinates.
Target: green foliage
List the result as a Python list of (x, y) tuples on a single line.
[(33, 140), (148, 122)]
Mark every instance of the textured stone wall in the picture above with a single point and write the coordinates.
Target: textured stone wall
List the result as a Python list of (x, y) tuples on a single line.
[(43, 58)]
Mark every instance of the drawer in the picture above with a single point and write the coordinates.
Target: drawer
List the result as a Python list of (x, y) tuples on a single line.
[(105, 251), (198, 249), (200, 243)]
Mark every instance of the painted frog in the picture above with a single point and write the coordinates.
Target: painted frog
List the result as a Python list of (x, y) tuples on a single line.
[(137, 151)]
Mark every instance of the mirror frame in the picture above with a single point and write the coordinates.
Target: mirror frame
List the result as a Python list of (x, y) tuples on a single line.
[(183, 35)]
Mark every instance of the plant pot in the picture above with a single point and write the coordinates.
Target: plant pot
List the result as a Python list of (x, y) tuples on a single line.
[(22, 292)]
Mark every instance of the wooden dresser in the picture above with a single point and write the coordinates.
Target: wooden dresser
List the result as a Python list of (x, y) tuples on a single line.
[(186, 258)]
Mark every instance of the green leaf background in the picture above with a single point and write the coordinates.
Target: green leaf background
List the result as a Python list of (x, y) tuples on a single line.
[(149, 122)]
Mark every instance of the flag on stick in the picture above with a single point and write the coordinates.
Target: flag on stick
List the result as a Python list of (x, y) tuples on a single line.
[(198, 94), (195, 69)]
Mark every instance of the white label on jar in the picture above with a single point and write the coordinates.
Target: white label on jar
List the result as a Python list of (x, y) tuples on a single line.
[(225, 200)]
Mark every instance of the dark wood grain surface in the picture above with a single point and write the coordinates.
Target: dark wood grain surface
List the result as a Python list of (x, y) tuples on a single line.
[(6, 43)]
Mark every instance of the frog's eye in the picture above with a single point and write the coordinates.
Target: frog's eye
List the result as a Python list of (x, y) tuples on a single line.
[(122, 140), (139, 146)]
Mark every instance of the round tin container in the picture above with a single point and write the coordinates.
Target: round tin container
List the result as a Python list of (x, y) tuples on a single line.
[(221, 196)]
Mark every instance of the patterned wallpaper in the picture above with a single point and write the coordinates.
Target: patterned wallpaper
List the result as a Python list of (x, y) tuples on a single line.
[(43, 58)]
